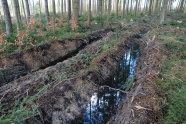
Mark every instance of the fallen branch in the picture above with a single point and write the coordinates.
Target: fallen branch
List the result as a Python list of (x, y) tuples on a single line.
[(114, 89)]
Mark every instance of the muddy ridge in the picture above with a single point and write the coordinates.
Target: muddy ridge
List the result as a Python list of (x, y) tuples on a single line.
[(42, 56)]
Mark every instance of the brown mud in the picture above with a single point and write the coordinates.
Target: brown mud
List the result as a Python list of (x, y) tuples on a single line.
[(15, 65)]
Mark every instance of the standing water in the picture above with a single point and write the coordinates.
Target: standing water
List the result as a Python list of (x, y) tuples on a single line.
[(103, 104)]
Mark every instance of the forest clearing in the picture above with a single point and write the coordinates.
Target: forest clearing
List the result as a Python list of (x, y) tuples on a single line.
[(92, 61)]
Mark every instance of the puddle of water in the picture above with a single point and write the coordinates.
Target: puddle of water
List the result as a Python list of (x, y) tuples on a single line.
[(103, 104)]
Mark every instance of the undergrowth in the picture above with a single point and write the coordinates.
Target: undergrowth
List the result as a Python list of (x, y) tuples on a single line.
[(171, 39)]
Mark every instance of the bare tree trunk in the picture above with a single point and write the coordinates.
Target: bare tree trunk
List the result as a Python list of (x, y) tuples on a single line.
[(65, 6), (100, 10), (24, 10), (89, 13), (18, 10), (136, 7), (27, 11), (97, 6), (124, 2), (12, 8), (40, 10), (181, 6), (7, 17), (171, 5), (150, 7), (54, 15), (61, 9), (69, 11), (46, 12), (75, 14), (128, 7), (159, 6), (162, 15), (33, 6), (16, 14), (109, 9), (117, 7), (156, 6)]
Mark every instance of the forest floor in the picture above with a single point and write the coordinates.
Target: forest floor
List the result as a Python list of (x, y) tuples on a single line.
[(56, 93)]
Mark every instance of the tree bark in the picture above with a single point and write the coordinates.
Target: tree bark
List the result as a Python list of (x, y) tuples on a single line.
[(100, 10), (117, 7), (124, 2), (181, 6), (159, 6), (75, 14), (61, 9), (162, 15), (156, 6), (128, 7), (40, 10), (65, 6), (16, 15), (89, 13), (7, 17), (136, 7), (54, 15), (27, 11), (69, 11), (24, 10), (150, 7), (46, 12), (109, 9)]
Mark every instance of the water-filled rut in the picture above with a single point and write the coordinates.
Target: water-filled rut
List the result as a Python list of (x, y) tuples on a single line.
[(103, 104)]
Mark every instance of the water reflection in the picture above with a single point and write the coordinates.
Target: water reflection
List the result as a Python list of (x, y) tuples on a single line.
[(104, 102)]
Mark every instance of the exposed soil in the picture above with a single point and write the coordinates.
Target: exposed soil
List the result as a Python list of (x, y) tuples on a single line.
[(64, 101), (30, 60)]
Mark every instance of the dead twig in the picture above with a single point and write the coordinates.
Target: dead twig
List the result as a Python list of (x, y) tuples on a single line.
[(114, 89)]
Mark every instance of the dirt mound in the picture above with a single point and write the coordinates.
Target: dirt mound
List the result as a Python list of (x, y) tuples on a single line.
[(16, 65)]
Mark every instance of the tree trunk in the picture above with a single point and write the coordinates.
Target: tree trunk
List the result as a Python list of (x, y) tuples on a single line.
[(7, 17), (139, 5), (24, 10), (171, 5), (75, 13), (128, 7), (40, 10), (136, 7), (181, 6), (16, 15), (124, 2), (46, 12), (150, 7), (97, 6), (12, 6), (65, 6), (54, 15), (159, 6), (69, 11), (100, 10), (109, 9), (61, 9), (89, 13), (33, 6), (156, 6), (162, 15), (18, 10), (27, 11), (117, 7)]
